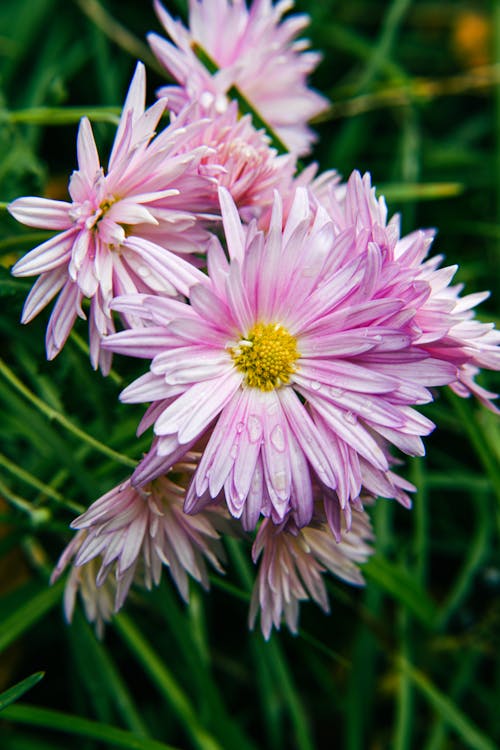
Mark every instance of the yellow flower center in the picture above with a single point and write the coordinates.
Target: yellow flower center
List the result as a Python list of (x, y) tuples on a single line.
[(266, 355)]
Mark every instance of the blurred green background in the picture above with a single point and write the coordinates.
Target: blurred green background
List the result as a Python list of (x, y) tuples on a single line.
[(412, 660)]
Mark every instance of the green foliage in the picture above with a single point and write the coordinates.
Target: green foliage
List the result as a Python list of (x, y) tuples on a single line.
[(411, 661)]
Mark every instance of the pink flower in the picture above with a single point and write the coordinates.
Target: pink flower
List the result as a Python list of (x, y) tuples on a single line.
[(239, 158), (128, 535), (256, 52), (296, 360), (98, 601), (103, 246), (293, 562), (448, 331)]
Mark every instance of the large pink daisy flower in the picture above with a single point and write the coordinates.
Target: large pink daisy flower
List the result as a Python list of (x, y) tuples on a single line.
[(103, 246), (296, 359), (256, 52)]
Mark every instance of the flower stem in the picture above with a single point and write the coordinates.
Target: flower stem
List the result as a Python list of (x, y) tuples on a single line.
[(46, 489), (61, 115), (56, 416), (245, 107)]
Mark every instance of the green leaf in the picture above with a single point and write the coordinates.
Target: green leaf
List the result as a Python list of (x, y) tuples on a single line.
[(15, 692), (61, 722)]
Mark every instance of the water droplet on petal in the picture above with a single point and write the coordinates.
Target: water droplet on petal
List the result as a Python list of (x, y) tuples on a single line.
[(254, 428), (350, 417), (143, 271), (378, 337), (314, 385), (279, 481), (336, 392), (234, 451), (240, 427), (278, 438), (272, 407)]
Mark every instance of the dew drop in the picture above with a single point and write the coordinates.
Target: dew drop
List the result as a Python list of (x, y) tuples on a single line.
[(314, 385), (272, 407), (143, 271), (234, 451), (279, 482), (240, 427), (278, 438), (254, 428), (378, 337), (350, 417), (336, 392)]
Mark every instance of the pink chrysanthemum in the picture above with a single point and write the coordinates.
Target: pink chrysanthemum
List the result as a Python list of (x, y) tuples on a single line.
[(447, 329), (240, 159), (128, 535), (104, 245), (293, 562), (297, 359), (257, 53)]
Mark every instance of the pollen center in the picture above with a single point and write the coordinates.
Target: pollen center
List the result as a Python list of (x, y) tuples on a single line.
[(266, 355)]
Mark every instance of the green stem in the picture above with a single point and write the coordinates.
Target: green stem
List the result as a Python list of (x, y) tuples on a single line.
[(245, 107), (60, 115), (46, 489), (37, 515), (56, 416)]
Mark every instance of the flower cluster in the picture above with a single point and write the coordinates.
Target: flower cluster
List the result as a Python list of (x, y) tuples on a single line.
[(290, 330)]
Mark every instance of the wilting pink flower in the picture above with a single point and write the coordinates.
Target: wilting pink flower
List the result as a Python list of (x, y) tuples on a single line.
[(296, 359), (128, 535), (255, 52), (103, 246), (98, 601), (293, 562)]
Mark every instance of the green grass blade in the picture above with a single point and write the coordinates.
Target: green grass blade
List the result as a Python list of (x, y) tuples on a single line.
[(61, 115), (448, 711), (469, 420), (103, 679), (29, 613), (56, 416), (15, 692), (277, 663), (166, 683), (61, 722), (400, 584), (476, 553)]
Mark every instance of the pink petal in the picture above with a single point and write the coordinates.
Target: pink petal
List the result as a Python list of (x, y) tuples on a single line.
[(88, 158), (48, 256), (41, 213)]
